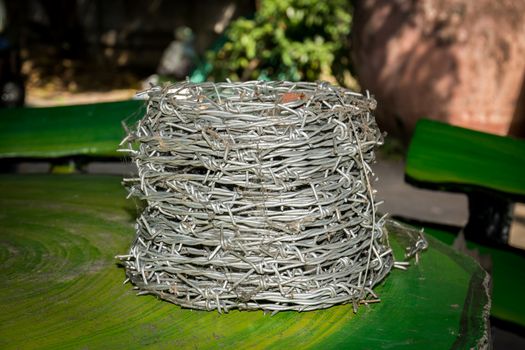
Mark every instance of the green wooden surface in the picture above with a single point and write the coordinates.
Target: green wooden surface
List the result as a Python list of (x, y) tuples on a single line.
[(93, 130), (453, 156), (61, 287), (508, 278)]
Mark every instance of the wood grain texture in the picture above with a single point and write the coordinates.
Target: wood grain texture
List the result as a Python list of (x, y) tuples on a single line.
[(457, 158), (93, 130), (61, 287)]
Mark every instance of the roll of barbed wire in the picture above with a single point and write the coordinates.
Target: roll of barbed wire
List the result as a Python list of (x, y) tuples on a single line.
[(258, 196)]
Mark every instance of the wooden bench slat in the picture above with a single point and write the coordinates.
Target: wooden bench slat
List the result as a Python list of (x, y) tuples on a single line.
[(93, 130), (458, 158)]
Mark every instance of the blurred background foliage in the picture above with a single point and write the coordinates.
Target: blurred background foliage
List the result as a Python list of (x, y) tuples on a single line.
[(110, 49), (287, 40)]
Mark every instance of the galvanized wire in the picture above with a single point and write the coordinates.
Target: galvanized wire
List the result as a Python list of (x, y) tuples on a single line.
[(258, 196)]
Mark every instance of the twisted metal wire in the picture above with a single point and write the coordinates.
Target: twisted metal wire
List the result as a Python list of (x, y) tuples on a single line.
[(258, 196)]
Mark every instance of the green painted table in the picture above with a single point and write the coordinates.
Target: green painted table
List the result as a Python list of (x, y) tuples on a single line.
[(87, 130), (61, 287), (508, 278)]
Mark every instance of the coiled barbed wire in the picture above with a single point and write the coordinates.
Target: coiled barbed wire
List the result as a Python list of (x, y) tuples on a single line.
[(258, 196)]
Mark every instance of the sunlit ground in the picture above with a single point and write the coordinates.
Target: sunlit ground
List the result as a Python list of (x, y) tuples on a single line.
[(52, 81)]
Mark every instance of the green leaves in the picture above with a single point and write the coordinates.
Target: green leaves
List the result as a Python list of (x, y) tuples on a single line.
[(288, 39)]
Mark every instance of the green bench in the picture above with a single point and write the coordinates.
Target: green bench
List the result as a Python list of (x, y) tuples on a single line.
[(62, 288), (490, 170), (91, 130)]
